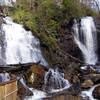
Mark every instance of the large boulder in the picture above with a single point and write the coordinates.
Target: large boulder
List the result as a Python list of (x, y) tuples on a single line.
[(22, 91), (96, 92), (35, 77), (94, 77), (87, 84)]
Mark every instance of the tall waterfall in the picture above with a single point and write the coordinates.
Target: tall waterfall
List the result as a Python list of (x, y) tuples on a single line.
[(86, 37), (18, 45), (7, 2)]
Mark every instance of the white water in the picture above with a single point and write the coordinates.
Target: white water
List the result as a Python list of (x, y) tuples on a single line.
[(37, 95), (86, 38), (55, 82), (88, 93), (7, 2), (19, 45)]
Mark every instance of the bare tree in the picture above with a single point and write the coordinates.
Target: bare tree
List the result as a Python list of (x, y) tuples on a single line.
[(91, 3)]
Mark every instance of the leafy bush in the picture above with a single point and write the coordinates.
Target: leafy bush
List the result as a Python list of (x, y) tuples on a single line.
[(49, 42), (45, 18), (75, 9), (26, 18)]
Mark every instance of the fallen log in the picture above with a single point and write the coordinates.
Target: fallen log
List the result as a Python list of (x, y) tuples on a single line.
[(69, 55), (21, 66)]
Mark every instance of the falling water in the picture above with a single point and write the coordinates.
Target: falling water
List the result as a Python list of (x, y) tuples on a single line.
[(89, 93), (54, 81), (37, 95), (86, 37), (18, 45), (7, 2)]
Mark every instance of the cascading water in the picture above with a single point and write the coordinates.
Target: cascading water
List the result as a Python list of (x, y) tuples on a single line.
[(19, 45), (88, 94), (86, 37), (7, 2), (37, 95), (54, 81)]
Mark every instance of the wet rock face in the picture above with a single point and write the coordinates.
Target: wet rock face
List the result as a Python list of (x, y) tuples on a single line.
[(97, 22), (96, 92)]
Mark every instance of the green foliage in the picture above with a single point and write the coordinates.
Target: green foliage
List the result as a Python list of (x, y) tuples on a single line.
[(75, 9), (90, 12), (25, 18), (49, 42), (45, 18)]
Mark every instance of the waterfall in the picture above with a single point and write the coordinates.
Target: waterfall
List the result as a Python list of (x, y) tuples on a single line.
[(85, 35), (54, 81), (7, 2), (37, 95), (18, 45)]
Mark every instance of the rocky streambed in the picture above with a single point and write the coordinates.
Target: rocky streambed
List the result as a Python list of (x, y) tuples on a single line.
[(84, 78), (85, 85)]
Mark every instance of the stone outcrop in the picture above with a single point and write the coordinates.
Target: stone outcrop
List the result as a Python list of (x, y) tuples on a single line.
[(38, 73), (96, 92), (87, 84)]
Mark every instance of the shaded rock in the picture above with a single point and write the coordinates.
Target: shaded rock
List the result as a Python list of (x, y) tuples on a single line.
[(96, 92), (87, 84), (21, 90), (65, 97), (94, 77), (97, 22), (37, 69), (75, 79), (88, 69), (24, 92), (35, 77), (67, 76)]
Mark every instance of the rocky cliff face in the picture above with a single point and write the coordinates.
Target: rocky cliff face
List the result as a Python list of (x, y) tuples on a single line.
[(97, 22)]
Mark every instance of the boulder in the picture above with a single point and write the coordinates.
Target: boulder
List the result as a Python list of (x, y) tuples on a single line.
[(96, 92), (87, 84), (35, 77), (94, 77), (22, 91), (65, 97), (75, 79), (67, 76)]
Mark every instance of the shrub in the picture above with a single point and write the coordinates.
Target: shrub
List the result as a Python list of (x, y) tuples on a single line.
[(49, 42), (26, 18), (45, 18)]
